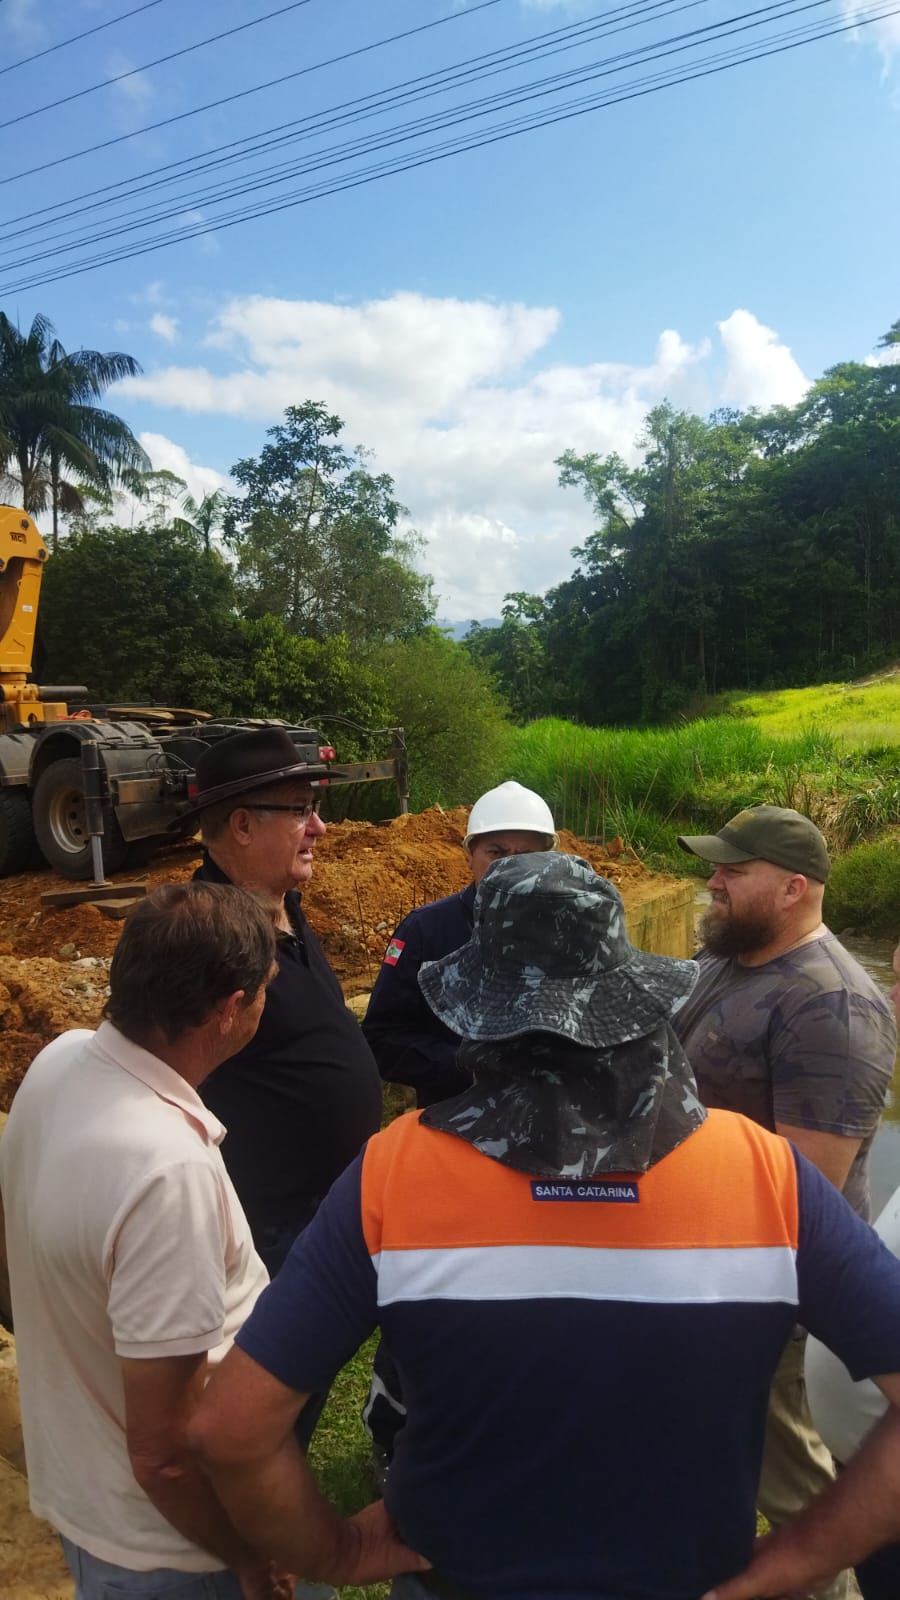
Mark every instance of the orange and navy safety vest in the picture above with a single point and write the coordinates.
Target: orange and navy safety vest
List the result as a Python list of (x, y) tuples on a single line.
[(585, 1363)]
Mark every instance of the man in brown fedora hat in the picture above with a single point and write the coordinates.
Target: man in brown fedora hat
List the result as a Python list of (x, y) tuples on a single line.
[(301, 1100), (785, 1027)]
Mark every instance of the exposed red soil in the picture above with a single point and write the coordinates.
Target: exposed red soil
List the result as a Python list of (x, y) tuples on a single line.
[(367, 877)]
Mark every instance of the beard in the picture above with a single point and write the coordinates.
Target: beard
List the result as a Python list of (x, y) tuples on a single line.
[(728, 933)]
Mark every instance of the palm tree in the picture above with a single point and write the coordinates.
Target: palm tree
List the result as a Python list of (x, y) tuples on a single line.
[(203, 516), (52, 432)]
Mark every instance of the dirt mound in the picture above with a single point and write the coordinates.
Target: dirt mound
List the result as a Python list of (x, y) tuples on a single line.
[(370, 876), (39, 999), (367, 877)]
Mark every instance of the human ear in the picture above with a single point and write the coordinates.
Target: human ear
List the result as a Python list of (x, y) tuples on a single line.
[(228, 1010)]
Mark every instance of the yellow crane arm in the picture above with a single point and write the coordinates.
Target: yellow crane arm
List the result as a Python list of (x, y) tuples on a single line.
[(22, 556)]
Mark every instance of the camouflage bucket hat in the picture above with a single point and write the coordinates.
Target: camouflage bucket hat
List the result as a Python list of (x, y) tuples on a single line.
[(549, 954)]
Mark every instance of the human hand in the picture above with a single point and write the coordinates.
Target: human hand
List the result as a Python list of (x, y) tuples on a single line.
[(776, 1572), (264, 1580), (375, 1550), (747, 1588), (281, 1582)]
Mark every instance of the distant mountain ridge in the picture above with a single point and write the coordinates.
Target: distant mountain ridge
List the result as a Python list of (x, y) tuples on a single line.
[(458, 630)]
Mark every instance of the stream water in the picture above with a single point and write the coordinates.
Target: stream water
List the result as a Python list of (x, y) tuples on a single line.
[(875, 955)]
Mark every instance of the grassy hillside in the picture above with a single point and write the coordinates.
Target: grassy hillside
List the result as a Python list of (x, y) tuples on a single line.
[(860, 715), (832, 752)]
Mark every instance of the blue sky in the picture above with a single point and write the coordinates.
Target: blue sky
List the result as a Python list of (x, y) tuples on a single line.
[(719, 242)]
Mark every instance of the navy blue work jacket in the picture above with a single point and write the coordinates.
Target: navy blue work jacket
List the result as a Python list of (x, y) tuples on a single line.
[(408, 1041)]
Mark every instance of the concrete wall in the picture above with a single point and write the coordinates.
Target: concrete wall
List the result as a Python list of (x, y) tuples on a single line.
[(664, 923)]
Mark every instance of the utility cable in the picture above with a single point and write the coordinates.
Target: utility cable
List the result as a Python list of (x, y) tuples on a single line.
[(241, 94), (708, 67), (635, 13), (445, 119), (75, 38), (263, 207), (381, 98), (438, 121), (173, 55), (536, 44)]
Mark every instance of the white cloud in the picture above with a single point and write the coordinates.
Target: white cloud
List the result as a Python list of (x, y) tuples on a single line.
[(167, 456), (464, 406), (423, 353), (165, 327), (133, 93), (761, 371), (206, 244), (890, 357), (20, 20), (884, 34), (151, 294)]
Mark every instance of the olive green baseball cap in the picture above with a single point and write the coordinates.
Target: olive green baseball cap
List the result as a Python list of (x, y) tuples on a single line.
[(765, 833)]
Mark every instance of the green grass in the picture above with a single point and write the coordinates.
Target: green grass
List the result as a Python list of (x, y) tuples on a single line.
[(858, 714), (340, 1455), (863, 891), (341, 1452), (640, 782), (829, 751)]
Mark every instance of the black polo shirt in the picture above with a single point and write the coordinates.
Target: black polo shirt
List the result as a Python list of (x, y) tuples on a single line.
[(301, 1099)]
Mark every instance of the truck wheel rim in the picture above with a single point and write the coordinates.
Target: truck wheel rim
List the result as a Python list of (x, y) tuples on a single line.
[(67, 821)]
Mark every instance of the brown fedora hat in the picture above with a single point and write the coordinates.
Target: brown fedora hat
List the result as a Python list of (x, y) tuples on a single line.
[(247, 761)]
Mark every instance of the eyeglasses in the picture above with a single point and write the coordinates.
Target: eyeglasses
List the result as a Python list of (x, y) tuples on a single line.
[(302, 812)]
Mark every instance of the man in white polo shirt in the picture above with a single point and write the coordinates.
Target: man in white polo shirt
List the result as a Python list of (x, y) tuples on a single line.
[(131, 1261)]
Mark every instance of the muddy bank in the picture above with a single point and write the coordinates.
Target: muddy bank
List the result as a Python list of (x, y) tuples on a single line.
[(54, 962)]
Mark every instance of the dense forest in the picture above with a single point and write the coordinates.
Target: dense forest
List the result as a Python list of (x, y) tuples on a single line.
[(740, 551), (296, 598), (743, 551)]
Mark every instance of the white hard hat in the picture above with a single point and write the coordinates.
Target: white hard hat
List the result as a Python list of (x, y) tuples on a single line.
[(510, 806)]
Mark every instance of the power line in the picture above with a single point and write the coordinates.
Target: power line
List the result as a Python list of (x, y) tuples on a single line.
[(173, 55), (74, 38), (708, 67), (470, 110), (396, 135), (241, 94), (335, 155), (349, 112)]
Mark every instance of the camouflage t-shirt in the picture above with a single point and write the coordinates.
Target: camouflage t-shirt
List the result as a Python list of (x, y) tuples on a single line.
[(807, 1040)]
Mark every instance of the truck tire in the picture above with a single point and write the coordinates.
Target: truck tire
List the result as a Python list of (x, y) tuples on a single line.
[(60, 826), (17, 844)]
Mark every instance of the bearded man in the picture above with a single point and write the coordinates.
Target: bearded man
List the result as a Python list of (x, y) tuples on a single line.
[(787, 1028)]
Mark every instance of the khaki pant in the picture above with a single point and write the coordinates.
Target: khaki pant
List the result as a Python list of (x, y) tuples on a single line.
[(796, 1464)]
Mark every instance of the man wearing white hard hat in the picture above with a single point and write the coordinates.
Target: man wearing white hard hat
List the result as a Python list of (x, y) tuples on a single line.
[(408, 1042)]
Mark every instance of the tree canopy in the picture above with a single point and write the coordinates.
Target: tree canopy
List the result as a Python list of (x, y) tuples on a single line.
[(142, 615), (743, 550), (54, 437), (314, 537), (312, 610), (736, 550)]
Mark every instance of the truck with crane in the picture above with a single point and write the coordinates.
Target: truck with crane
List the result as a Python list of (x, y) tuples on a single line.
[(146, 755)]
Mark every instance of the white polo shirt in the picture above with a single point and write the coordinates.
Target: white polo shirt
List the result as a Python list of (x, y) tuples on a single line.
[(125, 1238)]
